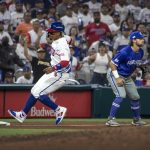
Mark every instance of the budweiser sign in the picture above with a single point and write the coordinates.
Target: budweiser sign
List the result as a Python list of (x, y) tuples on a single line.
[(43, 112)]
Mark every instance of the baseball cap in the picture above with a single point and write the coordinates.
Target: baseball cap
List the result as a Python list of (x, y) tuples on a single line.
[(56, 27), (136, 35), (116, 13), (26, 69), (39, 11), (34, 20), (104, 43), (40, 50)]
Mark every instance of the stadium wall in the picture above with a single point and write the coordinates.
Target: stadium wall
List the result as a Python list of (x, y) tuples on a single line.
[(82, 101)]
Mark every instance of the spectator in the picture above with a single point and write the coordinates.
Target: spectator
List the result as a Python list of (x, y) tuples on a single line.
[(97, 30), (76, 40), (144, 15), (96, 44), (39, 4), (16, 15), (122, 9), (43, 22), (20, 51), (148, 39), (24, 26), (130, 22), (101, 60), (94, 6), (8, 58), (115, 26), (62, 7), (142, 28), (52, 15), (27, 77), (134, 9), (9, 78), (147, 79), (110, 4), (38, 63), (5, 34), (105, 16), (87, 67), (13, 6), (5, 15), (84, 17), (122, 40), (75, 65), (35, 37), (69, 20), (137, 77)]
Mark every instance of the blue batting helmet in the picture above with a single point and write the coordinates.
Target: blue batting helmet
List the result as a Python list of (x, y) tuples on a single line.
[(136, 35), (56, 27)]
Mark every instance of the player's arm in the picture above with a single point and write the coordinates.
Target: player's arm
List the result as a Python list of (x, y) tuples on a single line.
[(26, 50), (58, 67), (119, 80)]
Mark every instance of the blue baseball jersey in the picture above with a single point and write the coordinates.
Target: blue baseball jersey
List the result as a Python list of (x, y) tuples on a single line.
[(127, 60)]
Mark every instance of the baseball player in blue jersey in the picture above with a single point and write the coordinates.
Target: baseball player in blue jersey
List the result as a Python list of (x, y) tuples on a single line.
[(119, 76), (54, 77)]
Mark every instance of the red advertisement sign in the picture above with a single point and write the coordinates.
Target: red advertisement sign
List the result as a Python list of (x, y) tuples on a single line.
[(78, 103), (1, 104)]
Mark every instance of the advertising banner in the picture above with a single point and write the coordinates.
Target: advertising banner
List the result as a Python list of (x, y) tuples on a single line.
[(78, 103)]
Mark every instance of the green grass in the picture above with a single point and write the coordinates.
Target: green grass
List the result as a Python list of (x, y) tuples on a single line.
[(8, 131), (14, 132)]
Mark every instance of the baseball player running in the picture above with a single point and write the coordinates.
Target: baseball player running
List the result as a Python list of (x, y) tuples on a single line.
[(54, 77), (119, 76)]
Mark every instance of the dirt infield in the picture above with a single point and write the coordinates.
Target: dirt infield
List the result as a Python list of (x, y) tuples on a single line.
[(78, 137)]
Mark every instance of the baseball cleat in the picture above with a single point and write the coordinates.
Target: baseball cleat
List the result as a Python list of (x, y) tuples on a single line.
[(60, 113), (112, 123), (19, 116), (138, 122)]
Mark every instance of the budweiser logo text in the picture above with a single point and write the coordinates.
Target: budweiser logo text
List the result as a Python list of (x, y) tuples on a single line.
[(43, 112)]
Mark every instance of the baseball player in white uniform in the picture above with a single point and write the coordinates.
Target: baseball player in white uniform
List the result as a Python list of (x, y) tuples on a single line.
[(54, 77)]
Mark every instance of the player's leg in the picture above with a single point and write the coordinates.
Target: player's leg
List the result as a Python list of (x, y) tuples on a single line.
[(120, 95), (133, 94), (21, 115), (46, 84), (49, 85)]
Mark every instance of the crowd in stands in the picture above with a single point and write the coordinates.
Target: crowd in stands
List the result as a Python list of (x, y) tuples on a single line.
[(96, 30)]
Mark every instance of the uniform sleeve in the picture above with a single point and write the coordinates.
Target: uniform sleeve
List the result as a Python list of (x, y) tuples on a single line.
[(118, 58)]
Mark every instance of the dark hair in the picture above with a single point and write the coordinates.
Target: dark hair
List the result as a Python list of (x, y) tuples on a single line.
[(137, 25), (131, 43)]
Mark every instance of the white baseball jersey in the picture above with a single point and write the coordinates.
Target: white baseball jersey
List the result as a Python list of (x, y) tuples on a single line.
[(49, 83), (60, 51)]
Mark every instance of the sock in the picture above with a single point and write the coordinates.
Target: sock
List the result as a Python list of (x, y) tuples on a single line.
[(115, 106), (135, 107), (48, 102), (31, 101)]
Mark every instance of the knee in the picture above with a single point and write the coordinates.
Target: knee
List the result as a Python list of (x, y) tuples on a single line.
[(135, 97), (34, 92), (123, 95)]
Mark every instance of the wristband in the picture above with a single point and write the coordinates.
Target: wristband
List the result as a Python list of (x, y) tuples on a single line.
[(115, 73)]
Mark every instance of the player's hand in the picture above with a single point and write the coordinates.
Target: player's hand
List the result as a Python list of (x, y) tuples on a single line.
[(120, 81), (48, 70)]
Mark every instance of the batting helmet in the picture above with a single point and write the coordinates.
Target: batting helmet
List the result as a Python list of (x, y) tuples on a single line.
[(136, 35), (56, 27)]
